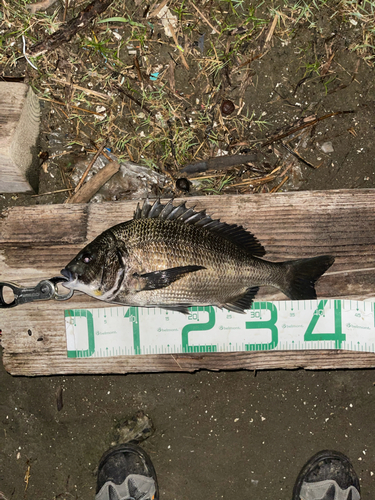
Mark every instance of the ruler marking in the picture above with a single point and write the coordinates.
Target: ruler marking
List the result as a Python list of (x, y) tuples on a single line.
[(284, 326)]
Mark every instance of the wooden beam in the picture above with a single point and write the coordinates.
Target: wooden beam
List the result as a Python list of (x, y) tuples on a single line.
[(36, 242), (19, 131)]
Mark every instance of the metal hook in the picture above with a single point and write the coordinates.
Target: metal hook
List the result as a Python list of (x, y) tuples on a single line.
[(44, 290)]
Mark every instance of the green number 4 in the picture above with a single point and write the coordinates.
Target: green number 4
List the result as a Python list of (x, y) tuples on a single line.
[(337, 336)]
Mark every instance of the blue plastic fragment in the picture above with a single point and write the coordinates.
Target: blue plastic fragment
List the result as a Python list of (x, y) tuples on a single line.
[(154, 76), (201, 43)]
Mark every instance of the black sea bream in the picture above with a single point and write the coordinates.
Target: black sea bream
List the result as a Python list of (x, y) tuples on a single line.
[(173, 257)]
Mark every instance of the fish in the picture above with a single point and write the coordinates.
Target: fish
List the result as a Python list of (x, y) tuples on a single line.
[(174, 257)]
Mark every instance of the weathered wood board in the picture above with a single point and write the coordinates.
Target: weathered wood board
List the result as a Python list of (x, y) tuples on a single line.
[(19, 131), (36, 242)]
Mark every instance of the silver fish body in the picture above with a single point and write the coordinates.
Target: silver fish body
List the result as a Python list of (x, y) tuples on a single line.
[(173, 257)]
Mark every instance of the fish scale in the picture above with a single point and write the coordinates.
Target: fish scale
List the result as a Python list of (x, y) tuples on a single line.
[(159, 244), (174, 257)]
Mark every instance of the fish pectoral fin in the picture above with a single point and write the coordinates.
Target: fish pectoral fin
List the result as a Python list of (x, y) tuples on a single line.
[(242, 302), (161, 279)]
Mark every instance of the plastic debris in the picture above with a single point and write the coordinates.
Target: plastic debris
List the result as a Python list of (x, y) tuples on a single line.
[(131, 182), (201, 43), (167, 19), (102, 115)]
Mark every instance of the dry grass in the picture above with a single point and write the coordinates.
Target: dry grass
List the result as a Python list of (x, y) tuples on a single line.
[(156, 96)]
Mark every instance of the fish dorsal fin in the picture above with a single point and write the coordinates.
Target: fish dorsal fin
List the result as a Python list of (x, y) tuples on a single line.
[(236, 234)]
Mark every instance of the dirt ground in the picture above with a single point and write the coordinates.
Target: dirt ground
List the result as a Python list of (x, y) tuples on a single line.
[(299, 85), (218, 435)]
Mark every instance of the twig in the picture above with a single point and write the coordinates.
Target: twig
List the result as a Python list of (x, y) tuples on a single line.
[(205, 18), (138, 68), (248, 61), (129, 153), (50, 192), (305, 125), (65, 10), (286, 169), (87, 191), (324, 68), (66, 33), (202, 177), (296, 155), (88, 168), (27, 477), (73, 107), (272, 29), (276, 188), (92, 142), (134, 99), (353, 77), (84, 89), (178, 46), (156, 11), (255, 181), (219, 163)]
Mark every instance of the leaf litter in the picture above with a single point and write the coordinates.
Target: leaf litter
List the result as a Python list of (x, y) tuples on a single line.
[(151, 81)]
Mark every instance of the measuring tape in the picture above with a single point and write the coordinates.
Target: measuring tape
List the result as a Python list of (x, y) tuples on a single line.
[(284, 325)]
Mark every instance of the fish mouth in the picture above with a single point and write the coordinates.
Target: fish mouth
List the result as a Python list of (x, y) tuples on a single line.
[(72, 277)]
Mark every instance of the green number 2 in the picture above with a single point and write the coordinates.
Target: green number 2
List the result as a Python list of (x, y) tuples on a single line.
[(194, 327), (337, 336)]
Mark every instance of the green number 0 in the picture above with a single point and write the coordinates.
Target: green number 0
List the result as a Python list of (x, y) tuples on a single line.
[(84, 353)]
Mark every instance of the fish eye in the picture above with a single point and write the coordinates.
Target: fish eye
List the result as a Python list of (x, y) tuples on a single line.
[(86, 258)]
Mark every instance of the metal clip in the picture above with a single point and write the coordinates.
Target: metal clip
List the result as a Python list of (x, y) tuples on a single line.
[(44, 290)]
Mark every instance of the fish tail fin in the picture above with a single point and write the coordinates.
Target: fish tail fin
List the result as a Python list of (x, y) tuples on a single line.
[(301, 275)]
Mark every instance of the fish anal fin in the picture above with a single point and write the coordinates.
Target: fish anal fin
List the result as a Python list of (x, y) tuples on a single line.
[(162, 279), (178, 308), (241, 303)]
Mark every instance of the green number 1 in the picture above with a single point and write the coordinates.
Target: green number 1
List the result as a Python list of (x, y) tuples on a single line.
[(337, 336), (133, 315)]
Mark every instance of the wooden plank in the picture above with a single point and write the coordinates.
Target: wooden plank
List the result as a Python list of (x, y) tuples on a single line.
[(47, 225), (36, 242), (19, 130)]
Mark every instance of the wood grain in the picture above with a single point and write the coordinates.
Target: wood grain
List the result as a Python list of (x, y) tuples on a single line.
[(19, 130), (36, 242)]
